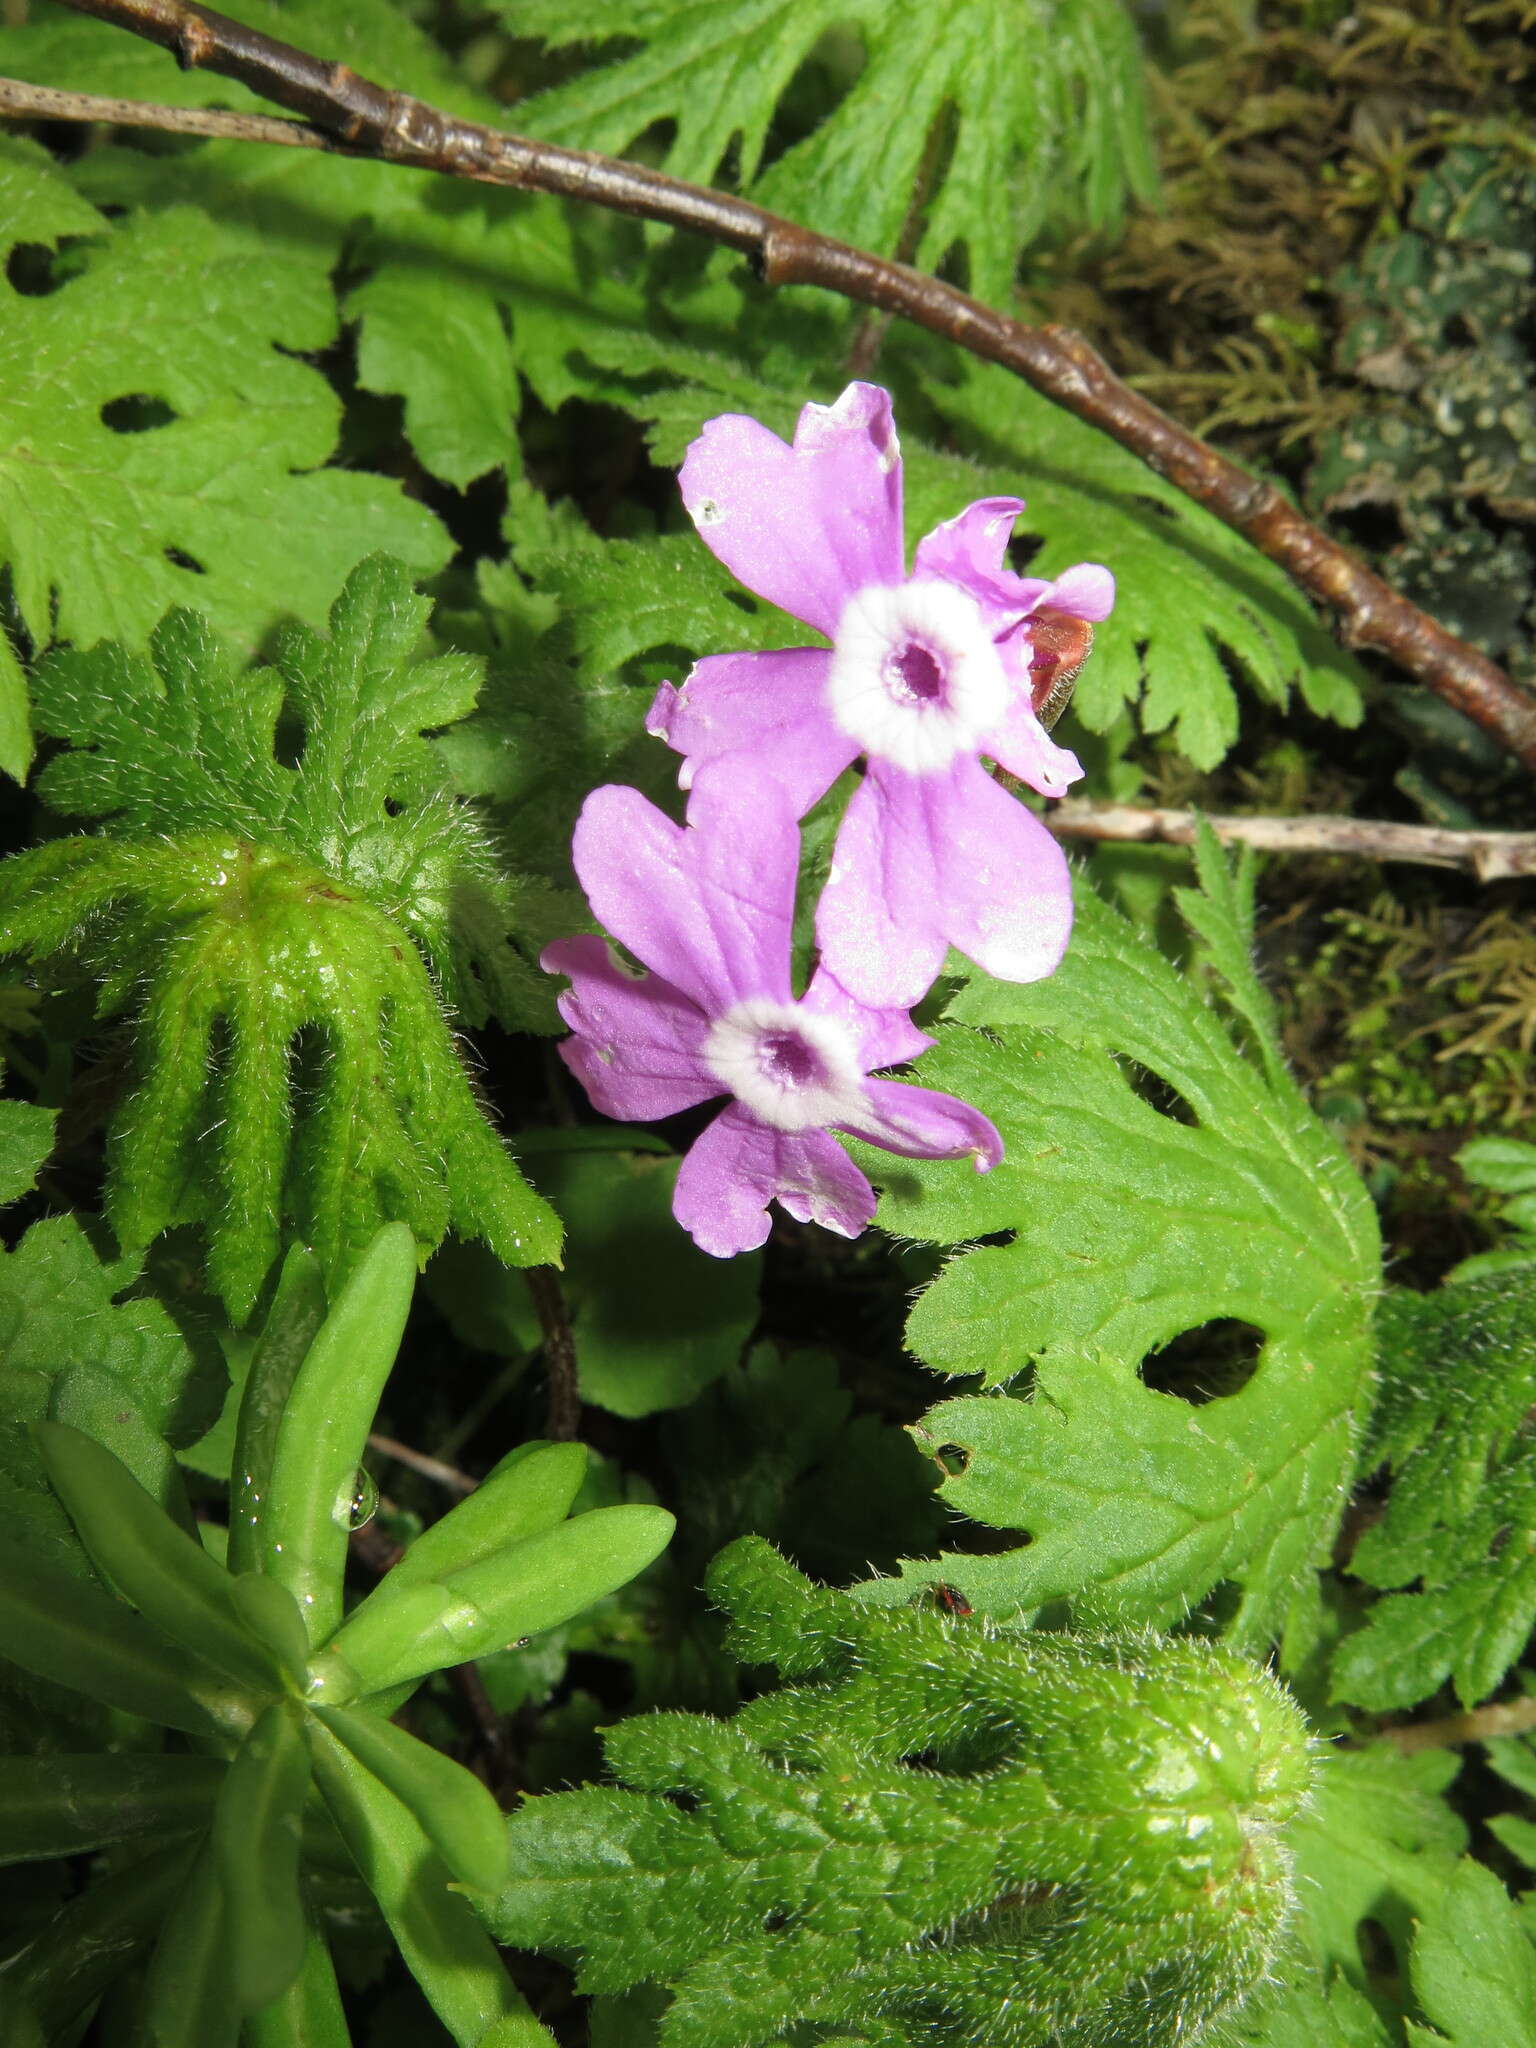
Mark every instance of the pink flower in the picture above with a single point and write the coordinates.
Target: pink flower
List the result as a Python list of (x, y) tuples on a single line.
[(707, 907), (926, 674)]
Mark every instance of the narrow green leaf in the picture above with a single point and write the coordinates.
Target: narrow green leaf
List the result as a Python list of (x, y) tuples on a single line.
[(61, 1805), (90, 1940), (405, 1632), (513, 1503), (308, 2014), (58, 1627), (324, 1428), (187, 2002), (163, 1572), (272, 1615), (297, 1312), (16, 742), (26, 1139), (445, 1948), (94, 1402), (453, 1809), (255, 1840)]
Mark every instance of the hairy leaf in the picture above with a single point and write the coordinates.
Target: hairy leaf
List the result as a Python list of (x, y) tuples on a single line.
[(1026, 105), (282, 936), (1458, 1385), (161, 440), (1474, 1967), (1010, 1791), (1159, 1185)]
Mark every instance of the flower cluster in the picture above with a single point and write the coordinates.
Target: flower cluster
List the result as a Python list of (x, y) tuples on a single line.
[(925, 675)]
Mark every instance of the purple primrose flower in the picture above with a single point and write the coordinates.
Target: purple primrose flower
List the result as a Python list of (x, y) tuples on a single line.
[(707, 907), (925, 674)]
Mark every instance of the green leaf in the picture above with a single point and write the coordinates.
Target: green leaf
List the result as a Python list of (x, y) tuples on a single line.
[(293, 1322), (1305, 2010), (1157, 1184), (530, 1491), (141, 1387), (1043, 103), (255, 1843), (64, 1805), (305, 1519), (283, 936), (453, 1809), (57, 1627), (882, 1845), (1458, 1382), (308, 2014), (166, 1574), (90, 1940), (653, 1318), (403, 1632), (1474, 1967), (187, 2001), (445, 1948), (16, 744), (1377, 1842), (162, 441)]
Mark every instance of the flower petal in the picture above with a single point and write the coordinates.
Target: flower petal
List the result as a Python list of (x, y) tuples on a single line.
[(923, 1124), (771, 706), (885, 1038), (926, 862), (636, 1048), (1086, 591), (1024, 747), (972, 550), (707, 905), (738, 1166), (809, 525)]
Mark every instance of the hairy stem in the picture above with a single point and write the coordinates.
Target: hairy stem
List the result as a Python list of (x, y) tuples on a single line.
[(1491, 856), (354, 115)]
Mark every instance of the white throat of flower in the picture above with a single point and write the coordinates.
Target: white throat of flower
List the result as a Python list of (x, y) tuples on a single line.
[(915, 677), (792, 1069)]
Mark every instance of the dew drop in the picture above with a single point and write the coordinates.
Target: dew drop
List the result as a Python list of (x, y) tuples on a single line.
[(358, 1502)]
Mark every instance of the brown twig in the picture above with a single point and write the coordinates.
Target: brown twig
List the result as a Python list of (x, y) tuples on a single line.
[(1491, 856), (365, 119), (563, 1414), (1481, 1724), (418, 1461)]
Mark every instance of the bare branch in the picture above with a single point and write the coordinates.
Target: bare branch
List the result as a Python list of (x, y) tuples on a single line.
[(367, 120), (448, 1476), (1480, 1724), (1491, 856)]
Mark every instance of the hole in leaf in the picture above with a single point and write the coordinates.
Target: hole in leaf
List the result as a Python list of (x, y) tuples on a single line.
[(1156, 1093), (1208, 1363), (178, 559), (393, 807), (1021, 550), (30, 271), (136, 413), (952, 1459), (743, 603)]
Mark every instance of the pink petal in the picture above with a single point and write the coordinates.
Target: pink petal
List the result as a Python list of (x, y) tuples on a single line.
[(707, 905), (1024, 747), (926, 862), (972, 550), (636, 1048), (805, 526), (885, 1038), (738, 1166), (1084, 592), (926, 1125), (767, 705)]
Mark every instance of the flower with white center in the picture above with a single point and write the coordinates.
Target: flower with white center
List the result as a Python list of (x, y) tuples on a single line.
[(925, 677), (707, 909)]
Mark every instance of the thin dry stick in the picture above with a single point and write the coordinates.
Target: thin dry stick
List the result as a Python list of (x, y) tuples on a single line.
[(1481, 1724), (418, 1461), (562, 1419), (1491, 856), (365, 119)]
